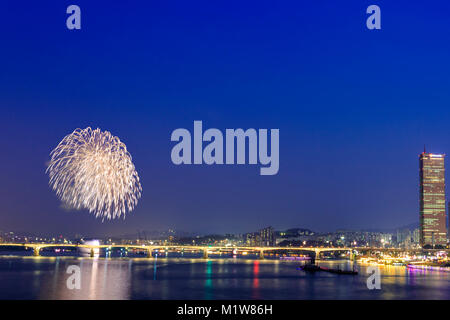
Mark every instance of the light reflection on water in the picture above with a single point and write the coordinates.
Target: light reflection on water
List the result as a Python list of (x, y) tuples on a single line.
[(184, 278)]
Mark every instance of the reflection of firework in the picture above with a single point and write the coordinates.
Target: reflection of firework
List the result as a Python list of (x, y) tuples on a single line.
[(90, 169)]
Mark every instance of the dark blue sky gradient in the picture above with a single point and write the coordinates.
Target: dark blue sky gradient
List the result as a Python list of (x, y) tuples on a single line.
[(354, 108)]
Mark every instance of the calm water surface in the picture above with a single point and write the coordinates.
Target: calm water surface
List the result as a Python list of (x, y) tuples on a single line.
[(25, 277)]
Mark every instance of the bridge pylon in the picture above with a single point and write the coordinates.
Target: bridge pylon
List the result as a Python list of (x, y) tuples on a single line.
[(317, 254), (36, 251), (261, 254), (205, 253)]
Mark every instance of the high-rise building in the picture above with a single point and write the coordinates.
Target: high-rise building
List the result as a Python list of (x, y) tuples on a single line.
[(252, 239), (263, 238), (433, 228), (267, 237)]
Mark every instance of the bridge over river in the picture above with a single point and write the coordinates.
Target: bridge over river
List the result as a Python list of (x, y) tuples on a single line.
[(261, 251), (37, 247)]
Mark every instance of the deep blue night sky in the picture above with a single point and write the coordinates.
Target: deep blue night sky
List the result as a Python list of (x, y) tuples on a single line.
[(354, 108)]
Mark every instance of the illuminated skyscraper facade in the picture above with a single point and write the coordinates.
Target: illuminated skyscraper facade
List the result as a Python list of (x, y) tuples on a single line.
[(433, 231)]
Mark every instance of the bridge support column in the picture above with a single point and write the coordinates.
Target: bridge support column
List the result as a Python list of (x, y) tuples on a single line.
[(317, 253), (36, 251), (205, 254), (261, 254), (149, 252)]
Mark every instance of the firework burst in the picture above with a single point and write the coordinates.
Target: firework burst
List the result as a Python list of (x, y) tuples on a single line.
[(91, 169)]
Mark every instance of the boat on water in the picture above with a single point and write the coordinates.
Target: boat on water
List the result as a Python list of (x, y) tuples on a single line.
[(310, 268), (315, 268)]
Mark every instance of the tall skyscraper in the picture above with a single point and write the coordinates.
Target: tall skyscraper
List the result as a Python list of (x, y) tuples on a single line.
[(267, 237), (433, 230)]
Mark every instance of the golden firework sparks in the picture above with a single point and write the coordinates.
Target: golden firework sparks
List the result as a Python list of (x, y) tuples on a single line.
[(91, 169)]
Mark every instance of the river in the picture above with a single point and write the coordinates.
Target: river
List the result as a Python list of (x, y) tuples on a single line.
[(28, 277)]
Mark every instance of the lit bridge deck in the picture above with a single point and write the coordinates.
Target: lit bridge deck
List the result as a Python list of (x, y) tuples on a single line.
[(212, 249), (150, 248)]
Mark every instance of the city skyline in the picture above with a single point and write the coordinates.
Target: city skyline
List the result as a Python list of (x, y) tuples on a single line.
[(405, 237), (179, 232)]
